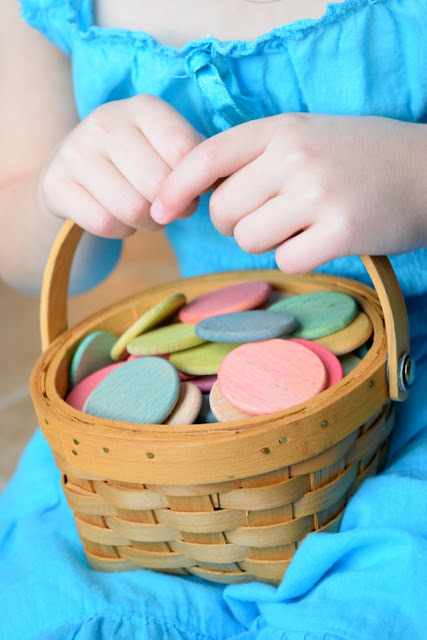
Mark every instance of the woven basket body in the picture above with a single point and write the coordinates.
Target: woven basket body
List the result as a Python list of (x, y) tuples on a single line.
[(229, 502)]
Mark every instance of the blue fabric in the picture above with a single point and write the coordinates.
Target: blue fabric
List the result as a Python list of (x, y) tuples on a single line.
[(368, 582)]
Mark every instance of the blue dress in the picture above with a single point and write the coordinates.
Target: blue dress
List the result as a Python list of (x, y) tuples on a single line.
[(367, 582)]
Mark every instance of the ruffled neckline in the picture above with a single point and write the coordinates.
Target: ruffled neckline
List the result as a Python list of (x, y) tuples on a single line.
[(81, 15)]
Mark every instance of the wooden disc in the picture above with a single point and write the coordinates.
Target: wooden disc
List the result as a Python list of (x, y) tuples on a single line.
[(264, 377), (173, 337), (349, 361), (188, 405), (93, 353), (205, 415), (237, 297), (245, 326), (143, 391), (349, 338), (80, 393), (205, 383), (223, 410), (319, 313), (203, 360), (182, 376), (148, 320), (332, 364)]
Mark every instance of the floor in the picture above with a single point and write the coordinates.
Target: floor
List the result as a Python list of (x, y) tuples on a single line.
[(147, 260)]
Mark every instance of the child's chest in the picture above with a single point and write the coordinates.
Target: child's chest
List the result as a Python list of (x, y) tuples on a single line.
[(175, 22)]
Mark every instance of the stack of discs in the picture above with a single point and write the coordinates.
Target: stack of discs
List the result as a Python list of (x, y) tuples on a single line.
[(236, 352)]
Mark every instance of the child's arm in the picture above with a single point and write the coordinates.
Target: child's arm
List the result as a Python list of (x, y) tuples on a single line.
[(313, 187), (36, 111), (102, 172)]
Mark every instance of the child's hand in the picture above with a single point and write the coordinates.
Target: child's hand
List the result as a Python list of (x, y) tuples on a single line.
[(344, 185), (106, 173)]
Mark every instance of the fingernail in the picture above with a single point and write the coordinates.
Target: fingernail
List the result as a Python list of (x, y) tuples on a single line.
[(157, 212)]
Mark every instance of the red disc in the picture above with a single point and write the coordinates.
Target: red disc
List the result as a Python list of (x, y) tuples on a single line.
[(237, 297), (332, 364), (264, 377)]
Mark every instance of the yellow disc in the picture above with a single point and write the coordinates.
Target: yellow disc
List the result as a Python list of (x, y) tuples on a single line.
[(173, 337), (350, 338), (148, 320), (203, 360)]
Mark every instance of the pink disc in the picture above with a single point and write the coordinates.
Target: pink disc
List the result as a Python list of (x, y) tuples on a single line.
[(237, 297), (205, 383), (264, 377), (80, 393), (332, 365), (182, 376)]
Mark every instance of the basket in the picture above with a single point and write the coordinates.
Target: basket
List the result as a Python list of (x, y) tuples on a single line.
[(229, 502)]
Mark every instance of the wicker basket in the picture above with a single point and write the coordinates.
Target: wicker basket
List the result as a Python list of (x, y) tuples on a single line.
[(229, 502)]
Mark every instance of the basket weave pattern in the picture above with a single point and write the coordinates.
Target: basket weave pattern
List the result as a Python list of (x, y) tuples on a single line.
[(231, 531)]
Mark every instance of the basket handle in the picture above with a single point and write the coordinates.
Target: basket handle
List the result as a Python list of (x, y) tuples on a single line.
[(54, 295)]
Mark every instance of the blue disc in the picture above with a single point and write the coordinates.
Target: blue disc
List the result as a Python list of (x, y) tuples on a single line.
[(245, 326), (144, 390)]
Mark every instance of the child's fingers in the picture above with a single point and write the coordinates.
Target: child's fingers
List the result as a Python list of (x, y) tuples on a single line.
[(75, 203), (136, 159), (242, 193), (271, 224), (165, 128), (142, 166), (215, 158), (308, 250), (114, 192)]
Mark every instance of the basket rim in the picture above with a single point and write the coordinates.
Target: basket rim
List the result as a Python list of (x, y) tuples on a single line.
[(177, 439)]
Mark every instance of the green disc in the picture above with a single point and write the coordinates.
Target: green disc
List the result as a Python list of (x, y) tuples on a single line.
[(154, 316), (319, 313), (173, 337), (203, 360), (93, 353)]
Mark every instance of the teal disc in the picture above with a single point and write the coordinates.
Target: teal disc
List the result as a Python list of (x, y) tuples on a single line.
[(144, 390), (349, 362), (93, 353), (319, 313)]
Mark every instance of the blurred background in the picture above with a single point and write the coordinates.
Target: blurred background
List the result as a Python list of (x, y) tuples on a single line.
[(146, 260)]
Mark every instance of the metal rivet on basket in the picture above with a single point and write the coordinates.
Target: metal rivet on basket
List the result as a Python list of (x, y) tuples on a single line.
[(265, 450), (74, 452), (325, 423), (405, 372), (76, 441), (150, 455), (105, 450), (371, 383), (283, 440)]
